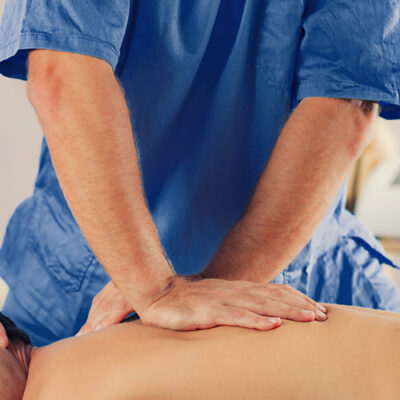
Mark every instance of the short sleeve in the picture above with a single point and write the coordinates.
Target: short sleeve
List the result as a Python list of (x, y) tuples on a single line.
[(351, 49), (91, 27)]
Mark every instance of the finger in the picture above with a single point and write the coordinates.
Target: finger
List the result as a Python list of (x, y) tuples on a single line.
[(101, 320), (303, 296), (289, 298), (3, 337), (234, 316), (265, 306), (105, 313), (298, 299), (108, 308)]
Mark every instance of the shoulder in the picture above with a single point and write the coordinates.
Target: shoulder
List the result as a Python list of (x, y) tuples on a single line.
[(85, 367), (63, 371)]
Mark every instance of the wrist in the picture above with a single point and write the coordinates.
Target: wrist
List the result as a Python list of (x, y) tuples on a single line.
[(142, 286), (153, 292), (244, 255)]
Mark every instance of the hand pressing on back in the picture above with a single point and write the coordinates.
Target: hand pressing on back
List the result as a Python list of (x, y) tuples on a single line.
[(190, 303)]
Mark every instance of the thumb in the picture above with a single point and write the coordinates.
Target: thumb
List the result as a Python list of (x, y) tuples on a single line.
[(102, 319), (3, 337), (109, 307)]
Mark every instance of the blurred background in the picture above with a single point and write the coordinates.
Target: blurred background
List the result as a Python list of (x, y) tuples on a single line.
[(374, 186)]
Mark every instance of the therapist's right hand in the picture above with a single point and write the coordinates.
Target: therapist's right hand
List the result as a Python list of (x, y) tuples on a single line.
[(195, 303)]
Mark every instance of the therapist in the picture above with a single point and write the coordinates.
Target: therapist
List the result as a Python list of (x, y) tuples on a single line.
[(204, 136)]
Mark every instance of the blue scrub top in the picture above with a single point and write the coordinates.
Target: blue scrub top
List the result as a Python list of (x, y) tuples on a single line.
[(210, 84)]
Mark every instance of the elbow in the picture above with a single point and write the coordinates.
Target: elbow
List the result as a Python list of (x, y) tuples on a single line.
[(345, 124), (44, 97), (57, 79), (45, 80), (362, 116)]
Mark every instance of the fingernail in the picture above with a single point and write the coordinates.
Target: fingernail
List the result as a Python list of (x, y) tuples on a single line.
[(322, 308), (98, 327), (275, 320), (79, 333), (308, 314), (321, 316)]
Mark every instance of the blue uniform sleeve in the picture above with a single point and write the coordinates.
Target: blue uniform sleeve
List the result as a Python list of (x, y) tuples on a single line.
[(351, 49), (91, 27)]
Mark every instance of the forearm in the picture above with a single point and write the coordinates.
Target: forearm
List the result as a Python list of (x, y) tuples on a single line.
[(86, 122), (313, 154)]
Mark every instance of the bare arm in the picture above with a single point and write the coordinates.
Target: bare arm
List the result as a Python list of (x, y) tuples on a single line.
[(82, 110), (314, 152), (86, 122)]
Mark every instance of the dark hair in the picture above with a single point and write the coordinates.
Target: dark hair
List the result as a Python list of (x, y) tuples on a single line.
[(14, 334)]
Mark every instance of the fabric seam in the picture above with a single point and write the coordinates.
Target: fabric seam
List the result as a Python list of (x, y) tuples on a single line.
[(50, 35), (320, 84)]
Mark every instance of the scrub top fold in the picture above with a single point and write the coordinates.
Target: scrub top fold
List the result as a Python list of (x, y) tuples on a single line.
[(91, 27), (351, 49)]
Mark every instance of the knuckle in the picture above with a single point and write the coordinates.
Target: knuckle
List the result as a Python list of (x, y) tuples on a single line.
[(241, 284), (244, 298), (261, 286), (308, 306), (210, 312), (298, 293), (237, 314), (260, 301), (279, 292), (293, 311)]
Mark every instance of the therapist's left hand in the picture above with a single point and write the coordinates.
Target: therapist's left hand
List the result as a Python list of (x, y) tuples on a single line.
[(109, 307)]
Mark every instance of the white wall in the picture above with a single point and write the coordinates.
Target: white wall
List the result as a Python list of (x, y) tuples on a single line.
[(20, 138)]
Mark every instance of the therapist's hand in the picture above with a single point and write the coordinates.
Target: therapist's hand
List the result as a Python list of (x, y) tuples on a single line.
[(190, 303), (109, 307), (205, 303)]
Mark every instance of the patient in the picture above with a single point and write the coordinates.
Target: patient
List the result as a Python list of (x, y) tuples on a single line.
[(354, 355)]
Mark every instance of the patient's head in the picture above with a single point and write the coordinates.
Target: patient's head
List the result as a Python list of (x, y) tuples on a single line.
[(14, 361)]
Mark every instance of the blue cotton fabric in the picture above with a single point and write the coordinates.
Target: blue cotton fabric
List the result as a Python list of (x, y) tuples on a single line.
[(210, 84)]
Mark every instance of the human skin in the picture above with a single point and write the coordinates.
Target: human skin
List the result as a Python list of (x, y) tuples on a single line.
[(87, 123), (314, 153), (84, 116), (354, 355)]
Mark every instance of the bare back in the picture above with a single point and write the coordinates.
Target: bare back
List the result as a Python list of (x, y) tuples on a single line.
[(355, 354)]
